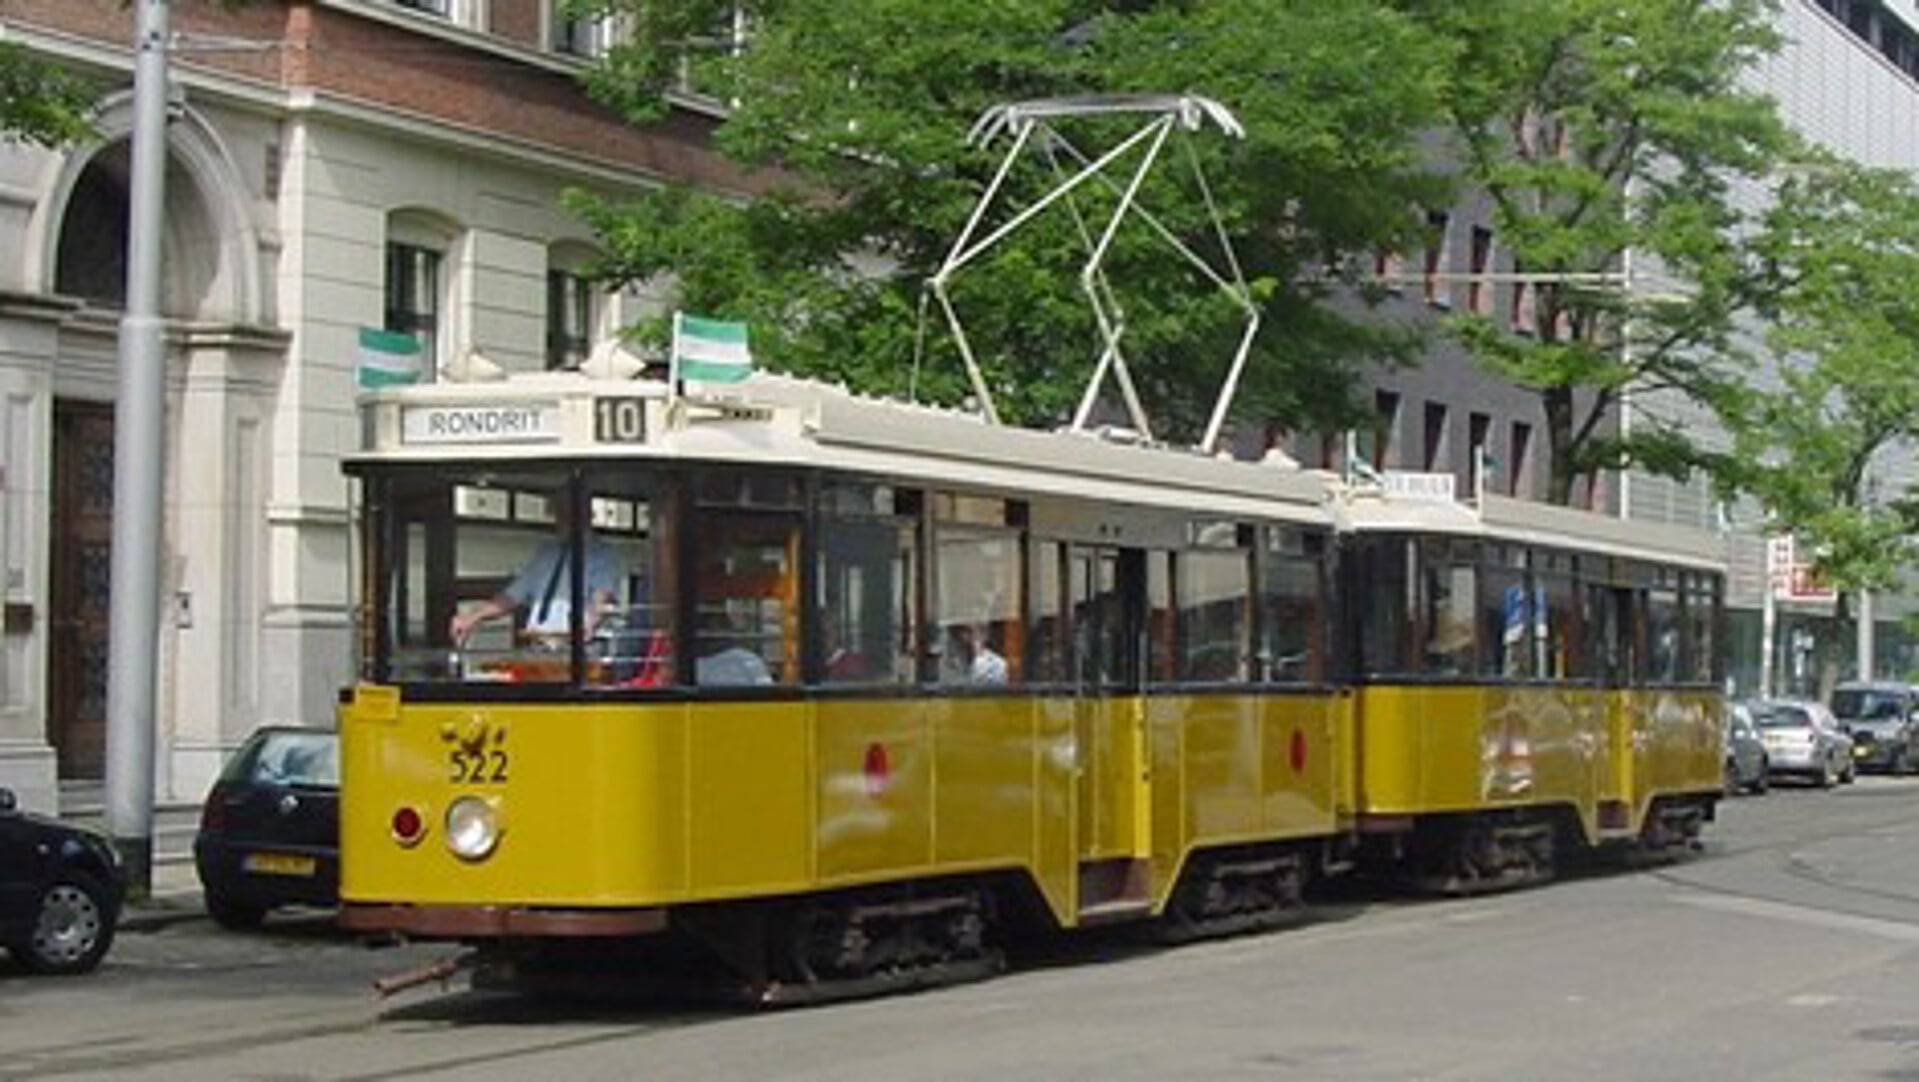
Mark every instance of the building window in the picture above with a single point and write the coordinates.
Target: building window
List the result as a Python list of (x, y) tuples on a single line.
[(1478, 430), (1478, 293), (1435, 449), (1385, 424), (1522, 449), (1862, 19), (431, 7), (583, 36), (1437, 224), (569, 319), (1525, 313), (413, 297)]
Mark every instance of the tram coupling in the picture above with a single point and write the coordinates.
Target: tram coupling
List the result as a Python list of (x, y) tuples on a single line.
[(441, 971)]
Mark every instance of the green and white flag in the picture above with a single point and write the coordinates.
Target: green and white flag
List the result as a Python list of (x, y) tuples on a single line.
[(388, 358), (710, 350)]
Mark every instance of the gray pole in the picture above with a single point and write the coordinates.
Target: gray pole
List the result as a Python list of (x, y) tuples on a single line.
[(1865, 634), (139, 411)]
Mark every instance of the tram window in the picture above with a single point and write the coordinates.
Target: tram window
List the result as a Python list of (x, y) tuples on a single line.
[(1447, 600), (977, 586), (1290, 621), (867, 604), (747, 599), (1663, 650), (964, 509), (1385, 603), (480, 583), (633, 642), (1215, 626), (1102, 631), (1702, 597), (749, 488), (1608, 633), (1161, 624), (1557, 624), (1050, 643), (1507, 623)]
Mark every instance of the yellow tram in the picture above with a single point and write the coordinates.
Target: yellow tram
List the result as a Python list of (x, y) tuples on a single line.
[(835, 695), (1529, 679)]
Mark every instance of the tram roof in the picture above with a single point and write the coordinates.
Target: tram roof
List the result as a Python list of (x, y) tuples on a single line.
[(1501, 518), (776, 420)]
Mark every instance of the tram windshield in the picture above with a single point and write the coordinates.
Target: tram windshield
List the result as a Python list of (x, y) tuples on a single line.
[(495, 574)]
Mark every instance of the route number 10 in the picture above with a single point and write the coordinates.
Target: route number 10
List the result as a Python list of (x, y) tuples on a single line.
[(619, 420)]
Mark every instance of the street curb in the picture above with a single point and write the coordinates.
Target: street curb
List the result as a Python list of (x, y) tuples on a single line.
[(162, 912)]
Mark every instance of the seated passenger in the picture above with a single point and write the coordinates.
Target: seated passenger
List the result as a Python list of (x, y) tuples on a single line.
[(977, 662), (730, 665), (844, 662)]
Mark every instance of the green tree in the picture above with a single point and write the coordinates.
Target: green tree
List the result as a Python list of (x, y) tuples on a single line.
[(1840, 251), (859, 110), (1607, 135), (40, 103)]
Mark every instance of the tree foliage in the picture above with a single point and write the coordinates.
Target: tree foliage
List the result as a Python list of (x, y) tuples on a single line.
[(40, 103), (1840, 251), (1608, 136), (862, 108)]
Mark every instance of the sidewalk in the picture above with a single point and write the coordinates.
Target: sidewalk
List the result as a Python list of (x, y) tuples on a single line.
[(175, 898)]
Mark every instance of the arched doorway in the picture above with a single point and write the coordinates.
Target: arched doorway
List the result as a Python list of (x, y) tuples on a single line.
[(90, 265)]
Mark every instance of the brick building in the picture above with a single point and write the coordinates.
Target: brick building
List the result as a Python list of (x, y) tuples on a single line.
[(333, 165)]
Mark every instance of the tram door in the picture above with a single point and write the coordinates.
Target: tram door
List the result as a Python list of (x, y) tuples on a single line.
[(1106, 590)]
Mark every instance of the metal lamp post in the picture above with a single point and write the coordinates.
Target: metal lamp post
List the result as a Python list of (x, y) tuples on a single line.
[(139, 411)]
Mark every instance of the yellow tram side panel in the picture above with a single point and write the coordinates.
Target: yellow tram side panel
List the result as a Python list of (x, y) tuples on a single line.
[(1235, 769), (639, 804), (1671, 744), (644, 804), (1461, 748)]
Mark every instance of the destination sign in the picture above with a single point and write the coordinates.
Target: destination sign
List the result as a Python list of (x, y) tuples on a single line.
[(519, 422), (1408, 485)]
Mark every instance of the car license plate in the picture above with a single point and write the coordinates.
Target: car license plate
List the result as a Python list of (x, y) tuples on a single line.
[(279, 864)]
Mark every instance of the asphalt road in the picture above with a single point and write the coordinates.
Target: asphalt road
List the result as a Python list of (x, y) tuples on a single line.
[(1789, 950)]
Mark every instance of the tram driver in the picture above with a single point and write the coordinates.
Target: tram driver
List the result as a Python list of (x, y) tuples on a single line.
[(543, 588)]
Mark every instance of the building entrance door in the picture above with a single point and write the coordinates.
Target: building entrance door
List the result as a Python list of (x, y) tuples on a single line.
[(77, 606)]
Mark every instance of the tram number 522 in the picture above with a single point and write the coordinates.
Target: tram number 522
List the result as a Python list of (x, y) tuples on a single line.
[(619, 420), (477, 767)]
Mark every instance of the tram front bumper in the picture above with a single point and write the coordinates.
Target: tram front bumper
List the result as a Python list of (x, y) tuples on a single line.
[(498, 922)]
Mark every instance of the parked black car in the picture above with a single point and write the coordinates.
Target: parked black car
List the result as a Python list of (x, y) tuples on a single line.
[(61, 889), (270, 830), (1883, 718)]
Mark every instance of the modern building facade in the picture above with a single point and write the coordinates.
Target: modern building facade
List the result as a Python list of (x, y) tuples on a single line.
[(1847, 77), (334, 165)]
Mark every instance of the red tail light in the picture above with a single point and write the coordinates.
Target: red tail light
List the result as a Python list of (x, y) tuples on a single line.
[(408, 825)]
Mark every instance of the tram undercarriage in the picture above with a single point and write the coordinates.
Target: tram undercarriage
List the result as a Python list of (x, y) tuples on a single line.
[(1470, 853)]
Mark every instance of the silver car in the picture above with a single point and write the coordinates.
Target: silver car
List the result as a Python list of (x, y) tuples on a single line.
[(1803, 739)]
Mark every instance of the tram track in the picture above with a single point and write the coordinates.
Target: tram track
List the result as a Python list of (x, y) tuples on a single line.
[(1786, 857)]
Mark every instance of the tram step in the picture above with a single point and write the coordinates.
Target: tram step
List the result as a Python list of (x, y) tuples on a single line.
[(1118, 909)]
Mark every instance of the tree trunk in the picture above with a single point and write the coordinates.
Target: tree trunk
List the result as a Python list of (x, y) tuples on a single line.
[(1558, 403), (1829, 646)]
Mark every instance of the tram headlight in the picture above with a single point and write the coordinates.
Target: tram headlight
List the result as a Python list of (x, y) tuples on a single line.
[(472, 827)]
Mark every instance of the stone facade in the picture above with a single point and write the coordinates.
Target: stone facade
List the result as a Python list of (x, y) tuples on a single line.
[(309, 135)]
